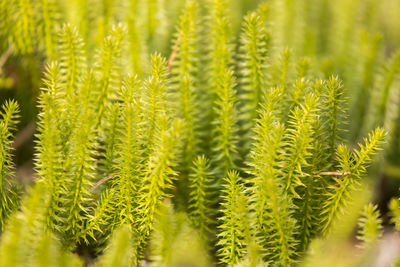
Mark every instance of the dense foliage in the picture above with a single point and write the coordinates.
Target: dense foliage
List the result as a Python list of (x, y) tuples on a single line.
[(241, 147)]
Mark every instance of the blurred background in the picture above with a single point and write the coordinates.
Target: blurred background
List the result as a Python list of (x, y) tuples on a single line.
[(358, 40)]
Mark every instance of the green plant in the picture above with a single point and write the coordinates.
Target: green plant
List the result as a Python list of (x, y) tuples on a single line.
[(9, 195), (370, 226), (232, 152)]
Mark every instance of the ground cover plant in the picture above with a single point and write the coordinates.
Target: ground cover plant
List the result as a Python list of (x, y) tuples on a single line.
[(198, 133)]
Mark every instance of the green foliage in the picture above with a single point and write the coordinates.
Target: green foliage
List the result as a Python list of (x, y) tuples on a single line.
[(65, 159), (120, 249), (370, 225), (23, 21), (384, 92), (232, 229), (157, 180), (235, 151), (394, 206), (174, 243), (352, 165), (298, 139), (226, 127), (222, 82), (26, 241), (333, 108), (269, 201), (127, 155), (8, 193), (167, 227), (184, 72), (200, 203), (49, 159), (154, 102), (72, 60), (107, 70), (254, 70)]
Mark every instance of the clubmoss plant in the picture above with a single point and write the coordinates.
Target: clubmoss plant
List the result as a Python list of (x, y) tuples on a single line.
[(232, 152), (9, 195)]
